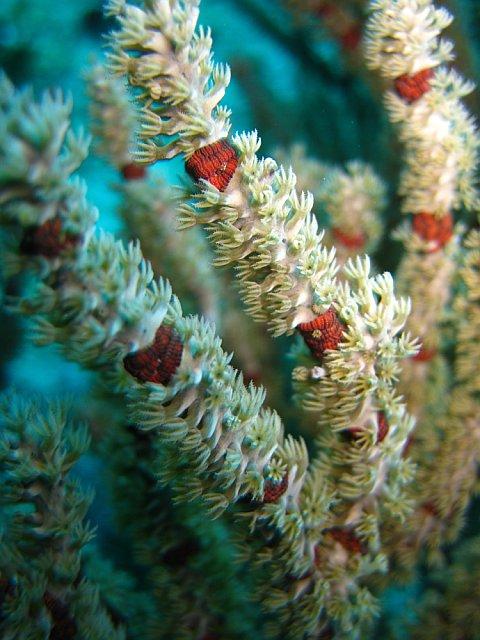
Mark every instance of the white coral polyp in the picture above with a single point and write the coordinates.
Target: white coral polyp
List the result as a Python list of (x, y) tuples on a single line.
[(404, 37)]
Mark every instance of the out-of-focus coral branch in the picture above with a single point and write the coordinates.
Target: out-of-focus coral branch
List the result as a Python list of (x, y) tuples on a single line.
[(448, 450), (352, 199), (449, 609), (441, 144), (43, 588), (187, 559), (340, 17)]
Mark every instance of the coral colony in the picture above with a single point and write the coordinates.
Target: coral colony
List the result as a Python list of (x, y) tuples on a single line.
[(232, 527)]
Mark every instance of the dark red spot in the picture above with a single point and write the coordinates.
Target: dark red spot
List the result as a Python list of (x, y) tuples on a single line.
[(133, 171), (274, 490), (322, 333), (430, 508), (64, 626), (382, 427), (48, 239), (424, 355), (347, 538), (354, 433), (159, 361), (350, 241), (433, 229), (215, 163), (351, 38), (412, 87)]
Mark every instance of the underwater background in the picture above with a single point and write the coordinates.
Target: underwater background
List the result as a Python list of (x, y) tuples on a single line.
[(295, 81)]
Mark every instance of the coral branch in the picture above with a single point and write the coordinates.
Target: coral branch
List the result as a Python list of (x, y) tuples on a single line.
[(42, 509), (441, 142)]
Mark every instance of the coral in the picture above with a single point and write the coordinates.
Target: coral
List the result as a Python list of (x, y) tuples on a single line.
[(230, 446), (222, 519), (439, 134), (187, 559), (351, 198), (148, 208), (441, 153), (113, 120), (452, 598), (44, 591)]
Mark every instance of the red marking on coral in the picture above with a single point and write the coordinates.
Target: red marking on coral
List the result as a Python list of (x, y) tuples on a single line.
[(64, 627), (351, 38), (430, 508), (215, 163), (353, 433), (49, 239), (382, 427), (412, 87), (133, 171), (433, 229), (321, 322), (350, 241), (274, 490), (348, 539), (159, 361), (424, 355), (322, 333)]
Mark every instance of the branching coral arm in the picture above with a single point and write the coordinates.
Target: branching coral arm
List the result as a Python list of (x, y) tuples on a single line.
[(352, 198), (441, 143), (43, 587), (148, 208), (113, 121), (448, 463)]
